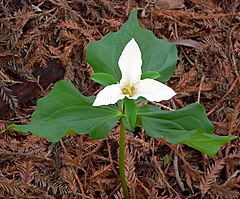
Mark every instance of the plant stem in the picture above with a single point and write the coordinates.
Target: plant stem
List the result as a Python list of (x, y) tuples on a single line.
[(121, 160)]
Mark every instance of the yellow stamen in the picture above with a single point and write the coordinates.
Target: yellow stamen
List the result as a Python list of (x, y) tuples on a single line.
[(129, 89)]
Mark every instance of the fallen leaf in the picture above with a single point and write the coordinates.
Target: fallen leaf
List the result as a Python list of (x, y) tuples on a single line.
[(170, 4), (186, 42)]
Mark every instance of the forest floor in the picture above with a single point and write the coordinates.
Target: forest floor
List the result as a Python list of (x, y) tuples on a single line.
[(43, 41)]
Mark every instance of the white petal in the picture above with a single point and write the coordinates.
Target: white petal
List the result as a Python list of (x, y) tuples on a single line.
[(153, 90), (130, 63), (109, 95)]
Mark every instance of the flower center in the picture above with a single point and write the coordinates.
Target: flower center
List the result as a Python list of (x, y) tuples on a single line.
[(129, 89)]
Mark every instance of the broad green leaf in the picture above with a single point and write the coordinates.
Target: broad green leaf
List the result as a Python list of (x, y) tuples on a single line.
[(175, 126), (103, 78), (130, 109), (188, 125), (207, 143), (65, 110), (151, 75), (158, 55)]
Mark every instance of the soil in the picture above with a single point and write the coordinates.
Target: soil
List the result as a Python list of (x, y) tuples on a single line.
[(43, 41)]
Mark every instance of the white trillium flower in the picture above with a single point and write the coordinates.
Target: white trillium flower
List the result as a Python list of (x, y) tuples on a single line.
[(131, 85)]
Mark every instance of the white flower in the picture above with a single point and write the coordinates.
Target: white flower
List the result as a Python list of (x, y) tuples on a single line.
[(131, 85)]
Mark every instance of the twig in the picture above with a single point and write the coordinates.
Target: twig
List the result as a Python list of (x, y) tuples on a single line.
[(161, 105), (63, 146), (175, 167), (232, 176), (200, 88)]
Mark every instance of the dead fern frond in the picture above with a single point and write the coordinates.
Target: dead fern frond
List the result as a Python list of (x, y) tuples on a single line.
[(92, 9), (119, 194), (235, 117), (50, 184), (26, 170), (69, 176), (223, 192), (70, 24), (7, 96), (209, 179), (76, 162), (70, 38), (211, 24), (186, 78), (210, 43), (11, 187), (101, 172), (8, 169), (141, 147), (189, 181), (55, 51), (108, 6), (130, 169), (14, 188), (40, 55), (233, 182)]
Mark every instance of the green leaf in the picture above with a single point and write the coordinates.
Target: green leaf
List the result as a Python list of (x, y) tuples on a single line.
[(189, 125), (151, 75), (175, 126), (130, 112), (207, 143), (103, 78), (158, 55), (166, 160), (65, 110)]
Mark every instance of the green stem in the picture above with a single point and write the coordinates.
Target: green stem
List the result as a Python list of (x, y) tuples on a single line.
[(121, 160)]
